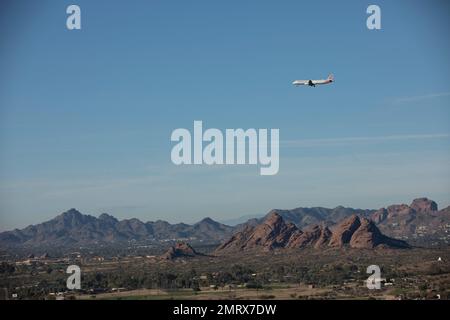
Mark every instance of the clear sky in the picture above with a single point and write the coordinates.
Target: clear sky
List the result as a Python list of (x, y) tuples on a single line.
[(86, 116)]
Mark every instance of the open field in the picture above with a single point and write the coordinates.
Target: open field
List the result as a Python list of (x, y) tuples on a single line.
[(206, 293)]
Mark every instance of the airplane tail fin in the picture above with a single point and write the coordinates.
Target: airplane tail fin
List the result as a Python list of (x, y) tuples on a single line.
[(330, 77)]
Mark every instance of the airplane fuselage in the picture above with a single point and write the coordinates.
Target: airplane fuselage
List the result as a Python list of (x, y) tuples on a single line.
[(313, 83)]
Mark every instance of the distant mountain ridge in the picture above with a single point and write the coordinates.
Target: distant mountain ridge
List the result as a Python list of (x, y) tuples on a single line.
[(72, 227), (303, 217), (421, 220)]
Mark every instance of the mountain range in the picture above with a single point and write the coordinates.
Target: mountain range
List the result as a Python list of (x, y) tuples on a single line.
[(72, 227), (420, 220), (275, 233)]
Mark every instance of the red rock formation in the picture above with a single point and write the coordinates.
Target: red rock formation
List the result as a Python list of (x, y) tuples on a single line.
[(399, 210), (317, 237), (273, 233), (343, 233), (420, 218), (325, 237), (180, 250), (366, 236), (380, 215)]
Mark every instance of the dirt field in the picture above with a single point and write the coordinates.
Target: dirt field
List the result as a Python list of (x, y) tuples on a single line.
[(206, 293)]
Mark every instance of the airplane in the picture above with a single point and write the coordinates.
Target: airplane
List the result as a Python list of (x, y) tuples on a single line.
[(313, 83)]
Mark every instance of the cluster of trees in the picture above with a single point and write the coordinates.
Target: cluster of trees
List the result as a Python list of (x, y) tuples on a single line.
[(52, 278), (138, 280), (236, 274)]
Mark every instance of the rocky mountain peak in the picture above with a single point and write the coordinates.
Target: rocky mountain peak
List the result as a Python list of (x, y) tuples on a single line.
[(207, 221), (107, 218), (400, 210), (344, 231), (180, 250), (424, 205), (316, 236), (273, 233), (366, 235), (273, 219), (71, 218), (71, 213), (380, 215)]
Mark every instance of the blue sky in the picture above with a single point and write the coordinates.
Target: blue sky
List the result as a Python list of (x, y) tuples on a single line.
[(86, 116)]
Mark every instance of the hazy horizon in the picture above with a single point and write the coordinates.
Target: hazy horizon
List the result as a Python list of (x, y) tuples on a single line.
[(242, 217)]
